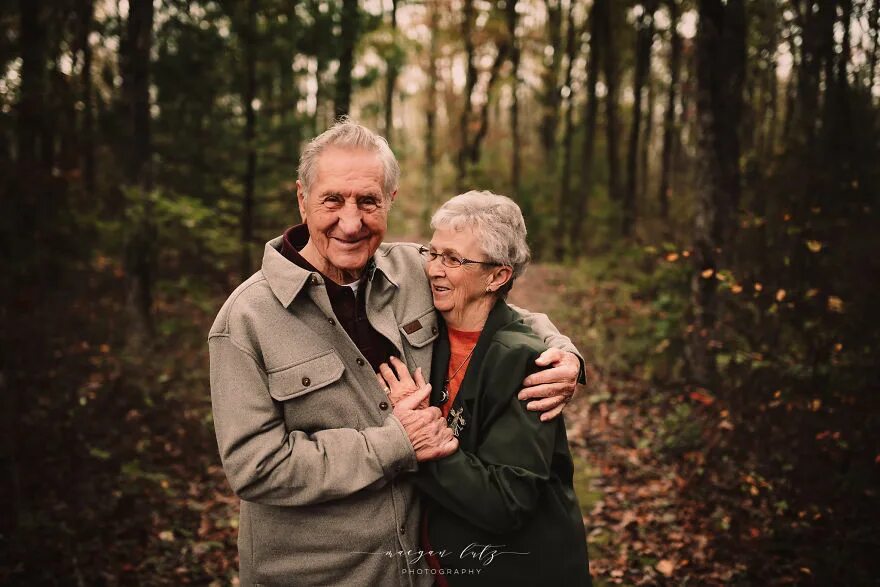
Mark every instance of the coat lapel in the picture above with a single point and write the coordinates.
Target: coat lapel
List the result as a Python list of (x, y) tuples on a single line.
[(462, 407)]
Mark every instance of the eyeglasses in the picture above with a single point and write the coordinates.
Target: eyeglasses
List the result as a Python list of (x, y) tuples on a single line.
[(452, 261)]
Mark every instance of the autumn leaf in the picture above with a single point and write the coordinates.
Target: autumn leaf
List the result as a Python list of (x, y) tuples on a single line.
[(702, 397), (814, 246), (665, 567), (835, 304)]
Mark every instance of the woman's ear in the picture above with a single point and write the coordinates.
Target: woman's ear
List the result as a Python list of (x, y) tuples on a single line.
[(498, 277)]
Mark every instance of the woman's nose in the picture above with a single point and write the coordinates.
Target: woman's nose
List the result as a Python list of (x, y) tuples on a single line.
[(434, 268)]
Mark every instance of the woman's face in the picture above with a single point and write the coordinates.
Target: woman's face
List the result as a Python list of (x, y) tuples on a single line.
[(455, 290)]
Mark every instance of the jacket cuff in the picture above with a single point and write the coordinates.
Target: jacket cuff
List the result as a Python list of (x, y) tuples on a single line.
[(392, 447)]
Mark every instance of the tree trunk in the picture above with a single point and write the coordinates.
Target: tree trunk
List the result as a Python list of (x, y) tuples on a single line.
[(431, 110), (647, 139), (720, 46), (563, 207), (391, 79), (591, 110), (669, 122), (874, 26), (510, 13), (550, 97), (347, 41), (140, 248), (250, 173), (289, 91), (644, 37), (88, 120), (612, 123), (844, 58), (817, 46), (33, 82), (476, 144), (470, 82)]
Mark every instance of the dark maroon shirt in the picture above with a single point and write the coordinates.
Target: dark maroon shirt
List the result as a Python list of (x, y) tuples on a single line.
[(350, 310)]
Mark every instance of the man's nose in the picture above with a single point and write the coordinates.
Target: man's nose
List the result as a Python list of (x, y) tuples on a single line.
[(350, 219)]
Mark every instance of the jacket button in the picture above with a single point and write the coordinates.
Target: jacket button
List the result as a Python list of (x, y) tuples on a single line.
[(433, 330), (307, 381), (359, 361), (314, 280), (331, 321), (402, 530), (383, 406)]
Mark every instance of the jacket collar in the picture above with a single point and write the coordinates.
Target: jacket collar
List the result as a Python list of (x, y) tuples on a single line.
[(499, 316), (287, 279)]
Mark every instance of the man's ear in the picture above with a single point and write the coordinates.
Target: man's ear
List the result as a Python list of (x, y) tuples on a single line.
[(500, 276), (300, 198), (393, 195)]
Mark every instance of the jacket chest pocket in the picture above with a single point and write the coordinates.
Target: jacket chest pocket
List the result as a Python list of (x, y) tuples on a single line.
[(314, 395), (419, 334)]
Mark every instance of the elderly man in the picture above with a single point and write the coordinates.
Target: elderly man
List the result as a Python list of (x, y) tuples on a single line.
[(307, 436)]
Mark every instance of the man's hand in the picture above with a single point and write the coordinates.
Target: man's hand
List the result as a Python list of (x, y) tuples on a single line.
[(551, 388), (426, 428)]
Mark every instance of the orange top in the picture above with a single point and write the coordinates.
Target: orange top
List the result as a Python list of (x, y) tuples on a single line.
[(461, 343)]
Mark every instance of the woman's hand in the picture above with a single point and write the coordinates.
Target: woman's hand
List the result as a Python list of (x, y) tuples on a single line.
[(399, 384)]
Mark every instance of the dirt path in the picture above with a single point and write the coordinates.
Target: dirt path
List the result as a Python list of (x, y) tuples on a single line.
[(642, 530)]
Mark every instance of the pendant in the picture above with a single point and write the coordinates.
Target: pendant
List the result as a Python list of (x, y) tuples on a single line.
[(444, 393)]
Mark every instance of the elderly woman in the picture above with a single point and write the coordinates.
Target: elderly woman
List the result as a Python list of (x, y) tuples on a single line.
[(501, 510)]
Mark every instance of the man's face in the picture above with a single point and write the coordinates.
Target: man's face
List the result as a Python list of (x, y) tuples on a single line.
[(345, 210)]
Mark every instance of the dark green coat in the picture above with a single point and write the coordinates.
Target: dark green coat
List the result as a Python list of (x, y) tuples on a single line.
[(510, 483)]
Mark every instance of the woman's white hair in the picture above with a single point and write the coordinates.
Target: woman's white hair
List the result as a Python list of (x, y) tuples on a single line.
[(498, 224), (348, 134)]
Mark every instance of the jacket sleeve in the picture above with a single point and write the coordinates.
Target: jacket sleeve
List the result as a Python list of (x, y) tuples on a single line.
[(551, 336), (498, 485), (267, 464)]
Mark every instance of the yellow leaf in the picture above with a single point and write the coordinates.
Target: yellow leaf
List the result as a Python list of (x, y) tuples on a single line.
[(835, 304), (780, 295), (707, 273), (758, 286), (665, 567), (814, 246), (672, 257), (736, 288)]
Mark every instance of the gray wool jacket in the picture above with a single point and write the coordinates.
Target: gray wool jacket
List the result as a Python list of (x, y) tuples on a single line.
[(306, 435)]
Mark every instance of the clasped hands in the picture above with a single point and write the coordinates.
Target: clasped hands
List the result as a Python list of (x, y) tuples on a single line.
[(549, 390), (425, 426)]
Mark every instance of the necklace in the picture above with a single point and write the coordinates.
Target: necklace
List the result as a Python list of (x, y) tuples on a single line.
[(444, 395)]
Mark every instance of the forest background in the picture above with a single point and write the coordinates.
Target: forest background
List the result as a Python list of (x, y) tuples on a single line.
[(700, 180)]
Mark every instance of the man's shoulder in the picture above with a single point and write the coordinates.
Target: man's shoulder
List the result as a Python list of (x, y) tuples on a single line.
[(246, 300), (401, 261), (401, 250)]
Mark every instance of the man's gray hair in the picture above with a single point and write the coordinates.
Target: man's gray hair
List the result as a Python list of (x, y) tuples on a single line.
[(496, 221), (348, 134)]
